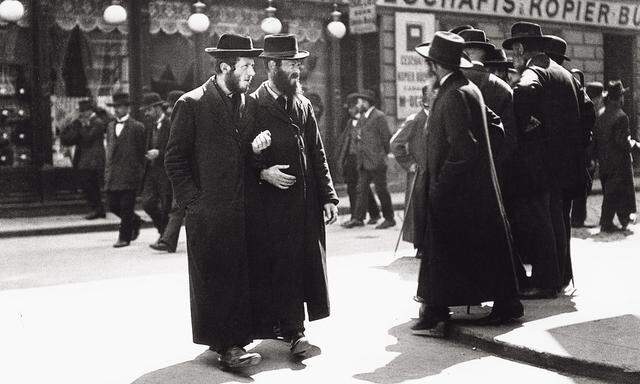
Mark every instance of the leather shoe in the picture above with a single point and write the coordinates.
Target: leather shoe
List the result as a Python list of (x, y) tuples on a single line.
[(136, 229), (95, 215), (373, 220), (610, 229), (386, 224), (538, 293), (300, 345), (431, 327), (160, 246), (121, 243), (502, 314), (353, 223), (236, 357)]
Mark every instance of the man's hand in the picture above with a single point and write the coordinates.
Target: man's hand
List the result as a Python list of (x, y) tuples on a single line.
[(261, 142), (152, 154), (275, 177), (413, 167), (330, 213)]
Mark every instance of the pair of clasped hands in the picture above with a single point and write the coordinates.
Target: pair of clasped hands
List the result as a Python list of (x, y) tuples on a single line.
[(274, 176)]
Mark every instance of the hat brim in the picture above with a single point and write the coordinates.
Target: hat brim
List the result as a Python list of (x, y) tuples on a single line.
[(479, 44), (215, 52), (508, 43), (275, 55), (423, 50), (553, 55)]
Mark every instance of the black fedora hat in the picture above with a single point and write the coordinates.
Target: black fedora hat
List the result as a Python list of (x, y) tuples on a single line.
[(524, 31), (282, 47), (231, 44), (460, 28), (85, 105), (476, 38), (594, 89), (120, 98), (366, 94), (497, 58), (446, 49), (556, 47), (615, 89), (151, 99)]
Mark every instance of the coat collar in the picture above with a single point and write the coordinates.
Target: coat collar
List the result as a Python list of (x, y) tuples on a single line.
[(266, 100), (212, 96)]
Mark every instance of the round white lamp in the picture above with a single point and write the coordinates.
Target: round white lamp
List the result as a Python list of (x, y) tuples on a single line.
[(198, 22), (115, 13), (336, 28), (270, 24), (11, 10)]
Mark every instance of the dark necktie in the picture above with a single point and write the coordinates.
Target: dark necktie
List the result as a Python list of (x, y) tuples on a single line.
[(283, 102)]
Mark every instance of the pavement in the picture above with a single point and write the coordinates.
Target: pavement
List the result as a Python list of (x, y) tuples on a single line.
[(592, 330)]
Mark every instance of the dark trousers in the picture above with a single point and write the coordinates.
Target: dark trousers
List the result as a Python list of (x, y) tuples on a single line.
[(379, 179), (90, 182), (610, 207), (122, 203), (351, 178), (172, 230), (579, 210), (564, 259), (156, 201)]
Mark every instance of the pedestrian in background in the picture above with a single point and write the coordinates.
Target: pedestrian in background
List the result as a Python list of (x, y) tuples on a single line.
[(372, 142), (206, 163), (86, 132), (287, 248), (409, 148), (126, 149), (348, 162), (496, 62), (613, 145), (156, 193), (168, 241)]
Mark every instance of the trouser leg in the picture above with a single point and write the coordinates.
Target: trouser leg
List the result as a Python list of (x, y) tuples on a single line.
[(172, 230), (607, 211), (91, 189), (151, 202), (579, 210), (538, 243), (364, 179), (127, 215), (380, 183), (372, 206)]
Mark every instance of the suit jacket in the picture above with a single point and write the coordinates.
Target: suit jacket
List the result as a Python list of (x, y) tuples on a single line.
[(155, 167), (548, 117), (125, 156), (373, 143), (89, 142)]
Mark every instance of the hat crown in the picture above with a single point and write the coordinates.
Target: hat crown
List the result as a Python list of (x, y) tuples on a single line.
[(284, 44), (150, 98), (446, 49), (84, 105), (556, 45), (497, 55), (615, 89), (120, 97), (524, 28), (475, 35), (230, 41)]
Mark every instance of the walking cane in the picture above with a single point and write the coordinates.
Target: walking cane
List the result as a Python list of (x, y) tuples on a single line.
[(406, 209)]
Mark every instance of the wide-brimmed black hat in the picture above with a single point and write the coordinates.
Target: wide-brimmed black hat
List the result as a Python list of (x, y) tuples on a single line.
[(497, 58), (151, 99), (594, 89), (231, 44), (615, 89), (85, 105), (282, 47), (366, 94), (460, 28), (120, 98), (524, 31), (476, 38), (445, 49), (556, 47)]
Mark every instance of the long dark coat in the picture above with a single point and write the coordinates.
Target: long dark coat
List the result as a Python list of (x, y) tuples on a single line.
[(287, 247), (155, 168), (408, 146), (205, 162), (613, 151), (125, 156), (464, 263)]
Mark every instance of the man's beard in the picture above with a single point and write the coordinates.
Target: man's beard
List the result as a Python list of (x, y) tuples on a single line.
[(233, 84), (287, 84)]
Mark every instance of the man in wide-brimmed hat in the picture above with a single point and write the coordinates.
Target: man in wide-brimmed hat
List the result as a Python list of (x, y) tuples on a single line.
[(286, 217), (463, 264), (156, 193), (613, 145), (126, 148), (371, 142), (206, 161), (496, 62), (556, 49), (552, 157)]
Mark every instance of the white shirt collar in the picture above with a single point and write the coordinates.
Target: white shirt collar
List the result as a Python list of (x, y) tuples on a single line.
[(445, 77), (123, 119), (160, 119), (366, 114)]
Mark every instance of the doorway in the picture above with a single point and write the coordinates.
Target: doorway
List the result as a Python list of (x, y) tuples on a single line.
[(618, 65)]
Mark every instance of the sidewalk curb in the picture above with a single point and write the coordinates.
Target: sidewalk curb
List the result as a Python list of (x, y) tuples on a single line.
[(564, 364), (85, 228)]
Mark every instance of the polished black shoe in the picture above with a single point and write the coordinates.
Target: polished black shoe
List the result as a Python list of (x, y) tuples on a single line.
[(502, 314), (373, 220), (610, 229), (121, 243), (136, 230), (95, 215), (236, 357), (299, 345), (538, 293), (431, 327), (386, 224), (160, 246), (353, 223)]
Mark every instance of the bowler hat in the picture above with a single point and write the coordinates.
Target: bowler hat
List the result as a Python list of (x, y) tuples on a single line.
[(497, 58), (594, 89), (120, 98), (556, 47), (282, 47), (615, 89), (475, 38), (460, 28), (366, 94), (151, 99), (85, 105), (231, 44), (445, 49), (524, 31), (173, 96)]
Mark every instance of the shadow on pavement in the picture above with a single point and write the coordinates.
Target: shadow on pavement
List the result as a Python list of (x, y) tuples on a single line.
[(205, 368), (406, 267)]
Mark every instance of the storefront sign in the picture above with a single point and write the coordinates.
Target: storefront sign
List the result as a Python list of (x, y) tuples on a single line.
[(362, 16), (586, 12), (411, 29)]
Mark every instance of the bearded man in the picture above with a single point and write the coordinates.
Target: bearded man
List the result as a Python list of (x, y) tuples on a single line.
[(205, 162), (287, 231)]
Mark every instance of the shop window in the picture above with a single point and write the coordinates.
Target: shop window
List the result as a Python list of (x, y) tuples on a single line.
[(16, 131)]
